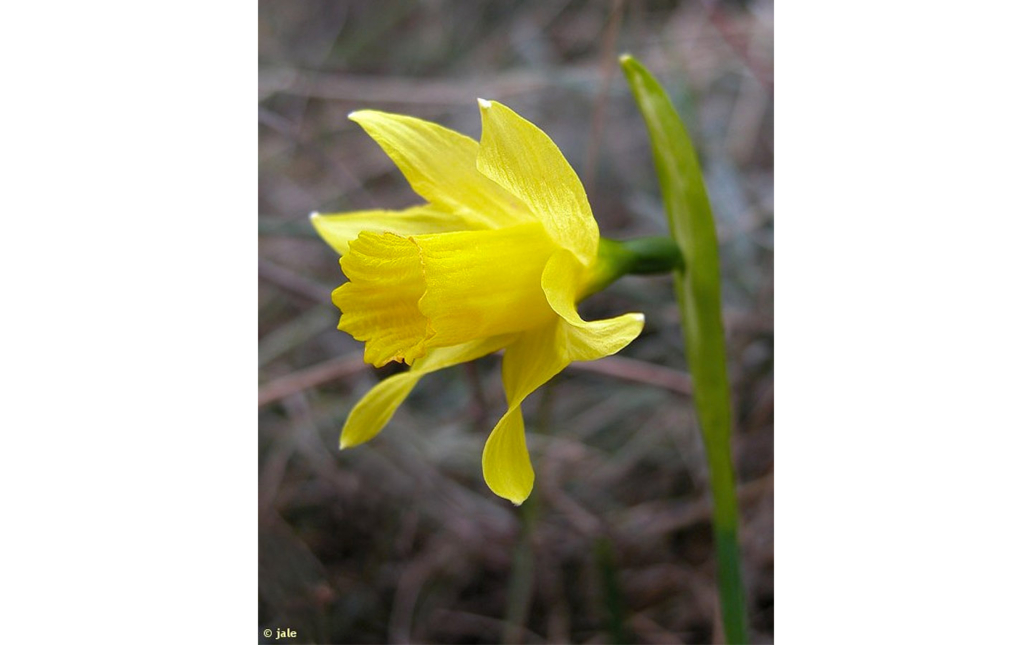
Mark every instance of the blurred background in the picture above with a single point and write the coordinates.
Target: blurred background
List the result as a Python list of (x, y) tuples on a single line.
[(400, 540)]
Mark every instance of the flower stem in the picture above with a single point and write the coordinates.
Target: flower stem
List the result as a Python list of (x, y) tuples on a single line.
[(641, 256), (613, 597), (698, 295)]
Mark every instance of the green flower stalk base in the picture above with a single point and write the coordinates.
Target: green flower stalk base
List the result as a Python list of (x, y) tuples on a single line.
[(698, 295), (641, 256)]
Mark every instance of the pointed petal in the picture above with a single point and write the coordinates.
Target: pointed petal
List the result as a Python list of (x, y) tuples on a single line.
[(590, 341), (586, 341), (377, 407), (506, 462), (442, 357), (535, 358), (532, 360), (528, 364), (440, 164), (339, 229), (522, 159)]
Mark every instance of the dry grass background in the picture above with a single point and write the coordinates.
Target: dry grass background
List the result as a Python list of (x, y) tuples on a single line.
[(400, 540)]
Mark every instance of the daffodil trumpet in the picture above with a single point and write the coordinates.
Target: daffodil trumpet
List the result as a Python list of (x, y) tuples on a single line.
[(496, 259)]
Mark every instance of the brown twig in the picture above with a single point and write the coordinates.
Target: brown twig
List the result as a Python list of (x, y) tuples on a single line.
[(723, 26), (307, 378), (292, 282), (662, 518), (632, 369), (598, 112)]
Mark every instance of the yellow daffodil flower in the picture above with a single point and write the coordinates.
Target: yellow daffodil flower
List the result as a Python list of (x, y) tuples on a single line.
[(497, 258)]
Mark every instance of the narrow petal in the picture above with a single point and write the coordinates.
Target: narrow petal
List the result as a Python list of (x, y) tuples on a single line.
[(528, 364), (536, 357), (586, 341), (524, 160), (532, 360), (590, 341), (441, 166), (339, 229), (377, 407), (506, 462)]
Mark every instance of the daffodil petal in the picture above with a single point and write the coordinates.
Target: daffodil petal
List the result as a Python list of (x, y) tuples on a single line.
[(531, 361), (442, 357), (590, 341), (506, 462), (377, 407), (441, 166), (586, 341), (340, 229), (528, 364), (521, 158)]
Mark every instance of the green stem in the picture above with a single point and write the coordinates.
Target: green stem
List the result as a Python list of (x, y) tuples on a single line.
[(698, 295), (641, 256), (613, 598), (521, 579)]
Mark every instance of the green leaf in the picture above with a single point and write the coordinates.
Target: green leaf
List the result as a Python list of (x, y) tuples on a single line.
[(698, 294)]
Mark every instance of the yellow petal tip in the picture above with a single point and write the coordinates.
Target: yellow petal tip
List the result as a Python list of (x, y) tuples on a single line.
[(484, 103), (313, 215)]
